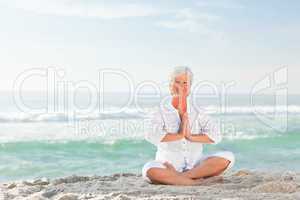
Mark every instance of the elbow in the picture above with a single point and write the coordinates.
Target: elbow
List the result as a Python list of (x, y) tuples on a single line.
[(211, 141), (217, 140), (163, 139), (214, 140), (208, 139)]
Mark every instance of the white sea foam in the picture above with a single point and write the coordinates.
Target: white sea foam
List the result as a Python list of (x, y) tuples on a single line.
[(64, 117), (279, 109), (135, 114), (109, 127), (58, 133)]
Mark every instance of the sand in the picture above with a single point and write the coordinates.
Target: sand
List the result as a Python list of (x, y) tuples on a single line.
[(235, 186)]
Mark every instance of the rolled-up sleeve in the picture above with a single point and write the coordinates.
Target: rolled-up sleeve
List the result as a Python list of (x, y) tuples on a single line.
[(155, 129), (209, 127)]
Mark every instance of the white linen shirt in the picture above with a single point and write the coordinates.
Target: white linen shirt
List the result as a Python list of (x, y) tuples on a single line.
[(182, 154)]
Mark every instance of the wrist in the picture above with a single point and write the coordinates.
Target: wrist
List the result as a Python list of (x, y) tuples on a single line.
[(188, 136), (181, 134)]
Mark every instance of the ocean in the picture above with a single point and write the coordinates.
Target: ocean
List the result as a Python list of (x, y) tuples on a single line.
[(54, 144)]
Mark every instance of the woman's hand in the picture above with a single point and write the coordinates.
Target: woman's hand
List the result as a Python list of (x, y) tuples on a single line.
[(188, 134), (180, 91), (186, 126), (170, 166)]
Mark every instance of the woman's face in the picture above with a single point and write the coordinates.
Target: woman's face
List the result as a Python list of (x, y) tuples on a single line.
[(181, 85)]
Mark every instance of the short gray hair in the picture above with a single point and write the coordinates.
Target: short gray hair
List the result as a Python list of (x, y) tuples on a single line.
[(181, 70)]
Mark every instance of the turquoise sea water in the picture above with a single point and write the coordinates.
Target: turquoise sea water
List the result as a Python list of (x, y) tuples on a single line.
[(47, 146), (25, 160)]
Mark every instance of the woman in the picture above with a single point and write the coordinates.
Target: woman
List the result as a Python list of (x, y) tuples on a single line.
[(179, 131)]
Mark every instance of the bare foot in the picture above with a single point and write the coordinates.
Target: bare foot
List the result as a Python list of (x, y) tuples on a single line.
[(170, 167)]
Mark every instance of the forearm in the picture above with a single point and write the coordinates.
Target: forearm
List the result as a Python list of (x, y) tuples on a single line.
[(182, 106), (169, 137), (181, 111), (203, 138)]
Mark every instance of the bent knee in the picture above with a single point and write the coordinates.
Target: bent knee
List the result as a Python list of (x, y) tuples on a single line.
[(150, 169), (228, 158), (218, 161), (225, 158), (225, 162), (154, 173), (228, 155)]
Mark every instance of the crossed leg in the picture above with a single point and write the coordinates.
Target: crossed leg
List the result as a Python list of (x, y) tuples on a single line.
[(169, 176), (212, 166), (205, 172)]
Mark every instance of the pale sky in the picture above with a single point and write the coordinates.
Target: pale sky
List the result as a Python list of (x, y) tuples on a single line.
[(221, 40)]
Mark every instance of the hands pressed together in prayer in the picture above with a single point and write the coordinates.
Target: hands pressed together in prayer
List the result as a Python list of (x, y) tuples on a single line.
[(179, 101), (180, 92)]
